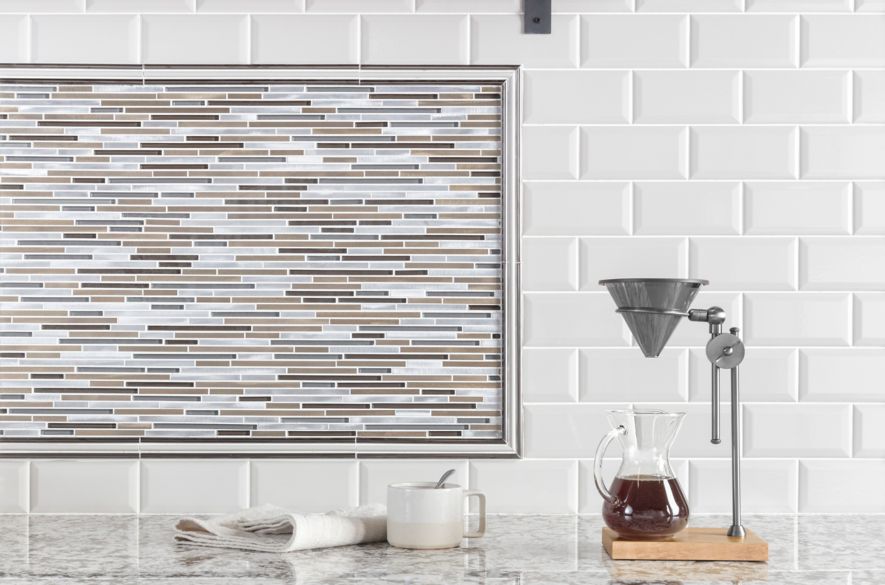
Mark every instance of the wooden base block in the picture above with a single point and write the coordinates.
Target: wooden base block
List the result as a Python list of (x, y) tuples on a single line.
[(692, 544)]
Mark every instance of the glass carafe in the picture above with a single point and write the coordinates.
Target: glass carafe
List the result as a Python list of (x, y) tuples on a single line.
[(645, 500)]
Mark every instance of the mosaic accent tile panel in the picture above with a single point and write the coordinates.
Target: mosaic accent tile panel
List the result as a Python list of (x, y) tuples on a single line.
[(251, 260)]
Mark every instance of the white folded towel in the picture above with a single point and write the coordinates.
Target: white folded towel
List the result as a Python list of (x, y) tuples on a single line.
[(271, 529)]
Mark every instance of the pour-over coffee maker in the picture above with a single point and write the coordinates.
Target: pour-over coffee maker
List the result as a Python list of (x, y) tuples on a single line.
[(652, 308)]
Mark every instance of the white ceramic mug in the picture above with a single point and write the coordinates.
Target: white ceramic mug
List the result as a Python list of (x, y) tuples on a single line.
[(422, 516)]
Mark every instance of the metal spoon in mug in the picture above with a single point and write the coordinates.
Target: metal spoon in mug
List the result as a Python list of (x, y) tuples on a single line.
[(442, 480)]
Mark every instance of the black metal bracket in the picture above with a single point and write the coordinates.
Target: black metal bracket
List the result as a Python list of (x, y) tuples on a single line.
[(537, 17)]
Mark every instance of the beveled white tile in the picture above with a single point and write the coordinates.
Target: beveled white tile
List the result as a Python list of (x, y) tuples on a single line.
[(842, 264), (869, 318), (869, 430), (572, 319), (766, 375), (610, 375), (93, 38), (778, 97), (869, 208), (431, 40), (550, 152), (687, 97), (203, 38), (767, 487), (549, 264), (841, 375), (499, 40), (194, 486), (843, 40), (822, 486), (305, 485), (576, 208), (602, 258), (797, 430), (869, 96), (485, 6), (799, 5), (84, 486), (576, 96), (797, 318), (33, 6), (14, 32), (252, 6), (689, 6), (319, 39), (376, 474), (744, 263), (595, 6), (549, 375), (842, 152), (633, 152), (144, 5), (743, 152), (527, 487), (687, 208), (564, 430), (745, 41), (14, 486), (360, 5), (797, 208), (635, 40)]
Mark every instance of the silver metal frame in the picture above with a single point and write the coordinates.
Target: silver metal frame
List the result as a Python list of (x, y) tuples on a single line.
[(511, 443)]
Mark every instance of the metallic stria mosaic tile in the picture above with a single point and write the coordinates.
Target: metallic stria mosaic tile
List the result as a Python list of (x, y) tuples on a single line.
[(251, 260)]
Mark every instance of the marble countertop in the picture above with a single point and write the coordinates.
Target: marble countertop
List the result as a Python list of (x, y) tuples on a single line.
[(518, 550)]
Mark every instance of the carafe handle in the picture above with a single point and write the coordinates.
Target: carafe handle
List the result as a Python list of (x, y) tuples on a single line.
[(597, 462)]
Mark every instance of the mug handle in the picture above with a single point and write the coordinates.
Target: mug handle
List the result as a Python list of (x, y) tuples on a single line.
[(482, 513)]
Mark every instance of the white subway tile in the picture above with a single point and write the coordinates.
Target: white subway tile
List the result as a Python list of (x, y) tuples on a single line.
[(85, 486), (635, 40), (692, 208), (869, 208), (141, 5), (595, 6), (689, 6), (743, 152), (14, 486), (94, 38), (797, 430), (693, 439), (376, 474), (611, 375), (797, 208), (305, 485), (38, 6), (490, 6), (194, 486), (430, 39), (841, 487), (360, 6), (844, 40), (869, 5), (316, 39), (744, 263), (667, 97), (766, 375), (499, 40), (797, 96), (576, 96), (550, 264), (869, 96), (582, 209), (869, 430), (766, 486), (527, 487), (252, 6), (843, 152), (14, 32), (869, 318), (761, 41), (550, 152), (205, 38), (797, 318), (549, 375), (696, 334), (588, 495), (572, 319), (633, 152), (564, 430), (799, 5), (842, 375), (842, 264), (631, 257)]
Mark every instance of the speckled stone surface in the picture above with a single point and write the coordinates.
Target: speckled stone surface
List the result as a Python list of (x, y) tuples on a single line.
[(518, 550)]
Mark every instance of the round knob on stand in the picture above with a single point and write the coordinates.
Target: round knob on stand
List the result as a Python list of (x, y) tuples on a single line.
[(725, 351)]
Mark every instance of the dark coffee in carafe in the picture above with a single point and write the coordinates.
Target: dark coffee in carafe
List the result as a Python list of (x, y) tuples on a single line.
[(646, 507)]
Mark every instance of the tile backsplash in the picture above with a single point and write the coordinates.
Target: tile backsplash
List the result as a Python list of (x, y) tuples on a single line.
[(685, 131)]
